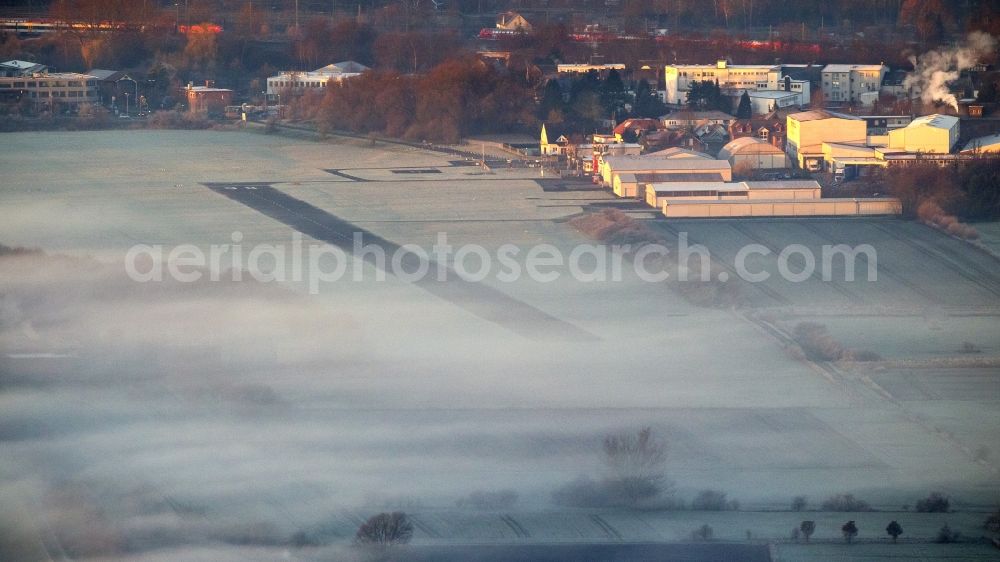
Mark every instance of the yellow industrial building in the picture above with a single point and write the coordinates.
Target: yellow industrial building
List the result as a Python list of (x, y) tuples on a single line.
[(929, 134), (808, 130)]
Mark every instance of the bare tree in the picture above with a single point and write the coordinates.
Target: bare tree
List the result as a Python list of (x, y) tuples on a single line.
[(385, 529), (807, 528), (636, 462), (850, 531)]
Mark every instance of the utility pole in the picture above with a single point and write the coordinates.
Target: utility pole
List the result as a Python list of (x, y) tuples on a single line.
[(296, 16)]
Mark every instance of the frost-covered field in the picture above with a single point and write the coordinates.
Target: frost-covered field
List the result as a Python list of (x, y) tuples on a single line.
[(191, 418)]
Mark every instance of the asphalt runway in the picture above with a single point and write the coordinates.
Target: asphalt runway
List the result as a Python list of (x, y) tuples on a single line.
[(477, 298)]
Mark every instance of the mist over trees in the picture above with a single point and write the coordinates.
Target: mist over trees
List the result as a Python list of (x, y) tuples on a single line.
[(385, 529), (635, 465)]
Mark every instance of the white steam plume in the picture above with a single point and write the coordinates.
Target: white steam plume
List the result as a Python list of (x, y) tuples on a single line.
[(935, 69)]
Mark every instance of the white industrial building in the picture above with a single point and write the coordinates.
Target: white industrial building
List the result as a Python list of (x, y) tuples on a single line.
[(62, 88), (763, 102), (583, 68), (732, 79), (300, 81)]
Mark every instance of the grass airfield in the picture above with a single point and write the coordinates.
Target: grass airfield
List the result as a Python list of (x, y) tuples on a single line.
[(208, 417)]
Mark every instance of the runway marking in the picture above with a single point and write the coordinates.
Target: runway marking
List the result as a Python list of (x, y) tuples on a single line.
[(477, 298)]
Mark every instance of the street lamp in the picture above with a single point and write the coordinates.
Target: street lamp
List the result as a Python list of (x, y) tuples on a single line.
[(135, 85)]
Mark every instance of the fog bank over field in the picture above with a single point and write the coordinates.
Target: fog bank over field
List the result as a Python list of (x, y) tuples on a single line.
[(215, 420)]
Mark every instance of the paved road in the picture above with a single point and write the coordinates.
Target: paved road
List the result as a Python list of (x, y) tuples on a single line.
[(477, 298)]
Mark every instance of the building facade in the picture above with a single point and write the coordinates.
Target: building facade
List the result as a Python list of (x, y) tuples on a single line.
[(846, 82), (294, 81), (207, 98), (931, 133), (58, 89), (808, 130), (733, 79)]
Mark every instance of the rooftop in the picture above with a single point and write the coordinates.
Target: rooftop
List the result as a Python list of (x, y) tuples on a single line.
[(981, 142), (770, 94), (670, 186), (685, 115), (656, 162), (850, 67), (936, 120), (678, 152), (102, 74), (728, 66), (20, 64), (820, 114), (752, 145)]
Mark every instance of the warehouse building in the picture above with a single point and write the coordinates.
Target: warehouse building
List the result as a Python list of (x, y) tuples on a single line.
[(808, 130), (781, 208), (931, 133), (787, 198), (753, 153), (681, 165), (659, 193)]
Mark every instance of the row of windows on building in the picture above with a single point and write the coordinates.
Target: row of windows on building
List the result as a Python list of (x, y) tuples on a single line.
[(296, 84), (43, 84), (731, 73)]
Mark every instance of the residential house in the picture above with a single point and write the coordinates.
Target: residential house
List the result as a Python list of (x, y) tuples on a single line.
[(688, 118), (207, 98), (769, 128), (633, 128), (553, 141), (513, 21), (111, 88), (668, 138), (711, 135)]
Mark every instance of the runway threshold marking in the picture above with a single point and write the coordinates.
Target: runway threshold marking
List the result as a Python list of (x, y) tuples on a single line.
[(477, 298)]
